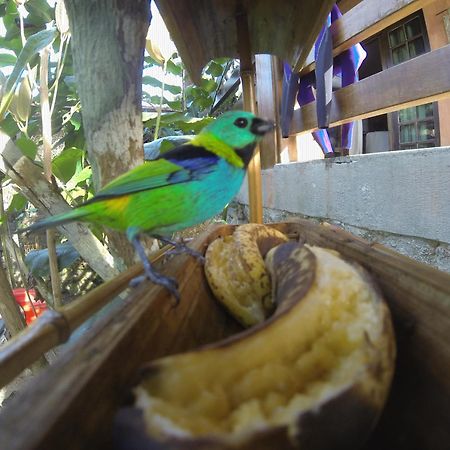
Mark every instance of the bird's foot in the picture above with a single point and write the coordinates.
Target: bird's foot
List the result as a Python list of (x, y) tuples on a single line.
[(149, 273), (169, 283), (189, 251), (181, 247)]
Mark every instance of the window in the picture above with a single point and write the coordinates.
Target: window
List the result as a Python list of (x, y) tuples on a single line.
[(413, 127)]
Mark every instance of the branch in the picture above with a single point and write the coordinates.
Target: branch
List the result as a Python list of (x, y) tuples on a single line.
[(28, 176), (47, 144)]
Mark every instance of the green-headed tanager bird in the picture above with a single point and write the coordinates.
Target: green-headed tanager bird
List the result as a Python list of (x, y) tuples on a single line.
[(183, 187)]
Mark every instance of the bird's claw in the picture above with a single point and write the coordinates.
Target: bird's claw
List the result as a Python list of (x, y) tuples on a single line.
[(184, 249), (167, 282)]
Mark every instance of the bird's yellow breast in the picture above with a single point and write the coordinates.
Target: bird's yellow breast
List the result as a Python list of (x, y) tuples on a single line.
[(216, 146)]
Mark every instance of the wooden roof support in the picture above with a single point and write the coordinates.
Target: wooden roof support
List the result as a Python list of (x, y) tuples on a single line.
[(408, 84), (248, 92), (202, 29), (364, 21), (268, 90)]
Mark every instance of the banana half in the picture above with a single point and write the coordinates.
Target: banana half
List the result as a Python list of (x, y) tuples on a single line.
[(234, 267), (313, 376)]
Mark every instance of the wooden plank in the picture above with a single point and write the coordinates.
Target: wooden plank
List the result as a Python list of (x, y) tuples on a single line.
[(364, 21), (72, 404), (267, 99), (203, 29), (417, 412), (420, 80), (347, 5), (249, 98)]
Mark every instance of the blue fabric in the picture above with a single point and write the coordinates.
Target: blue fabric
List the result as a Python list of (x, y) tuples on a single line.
[(345, 65)]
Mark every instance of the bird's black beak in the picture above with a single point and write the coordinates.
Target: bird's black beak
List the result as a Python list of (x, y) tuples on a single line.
[(260, 127)]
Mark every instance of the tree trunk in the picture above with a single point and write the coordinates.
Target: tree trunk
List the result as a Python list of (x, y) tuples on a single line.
[(108, 41)]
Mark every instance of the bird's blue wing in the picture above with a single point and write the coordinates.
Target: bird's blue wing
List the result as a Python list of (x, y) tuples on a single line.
[(182, 164)]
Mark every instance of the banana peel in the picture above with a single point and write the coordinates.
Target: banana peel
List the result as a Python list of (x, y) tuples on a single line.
[(315, 375), (235, 270)]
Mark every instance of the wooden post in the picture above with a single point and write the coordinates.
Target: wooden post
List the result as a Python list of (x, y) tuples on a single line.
[(268, 81), (248, 91)]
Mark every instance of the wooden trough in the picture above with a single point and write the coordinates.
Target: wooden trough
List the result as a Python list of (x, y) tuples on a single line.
[(72, 404)]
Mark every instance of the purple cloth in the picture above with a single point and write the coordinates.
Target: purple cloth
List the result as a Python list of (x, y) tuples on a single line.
[(345, 64)]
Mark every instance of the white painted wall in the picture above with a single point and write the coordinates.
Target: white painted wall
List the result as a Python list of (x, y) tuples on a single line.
[(404, 192)]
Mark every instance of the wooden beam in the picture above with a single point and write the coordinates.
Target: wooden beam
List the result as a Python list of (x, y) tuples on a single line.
[(347, 5), (365, 20), (420, 80), (268, 75), (248, 94)]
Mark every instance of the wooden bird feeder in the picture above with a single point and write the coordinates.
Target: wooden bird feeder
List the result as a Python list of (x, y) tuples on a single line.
[(72, 404)]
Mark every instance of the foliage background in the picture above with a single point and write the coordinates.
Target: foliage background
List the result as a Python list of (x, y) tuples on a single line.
[(172, 108)]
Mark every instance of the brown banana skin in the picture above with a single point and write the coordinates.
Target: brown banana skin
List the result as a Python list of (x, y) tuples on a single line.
[(342, 419)]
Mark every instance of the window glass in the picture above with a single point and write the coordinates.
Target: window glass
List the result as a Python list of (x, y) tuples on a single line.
[(425, 111), (416, 47), (413, 28), (407, 114), (426, 131), (408, 133), (397, 37), (400, 54)]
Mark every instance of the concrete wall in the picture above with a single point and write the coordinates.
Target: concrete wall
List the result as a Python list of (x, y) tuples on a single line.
[(404, 194)]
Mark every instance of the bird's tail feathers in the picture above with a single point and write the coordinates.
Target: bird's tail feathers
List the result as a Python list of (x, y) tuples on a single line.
[(54, 221)]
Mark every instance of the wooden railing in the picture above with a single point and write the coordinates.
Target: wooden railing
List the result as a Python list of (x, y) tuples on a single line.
[(366, 20), (420, 80)]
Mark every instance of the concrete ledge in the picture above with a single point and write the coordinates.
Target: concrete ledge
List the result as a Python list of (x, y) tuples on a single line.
[(402, 192)]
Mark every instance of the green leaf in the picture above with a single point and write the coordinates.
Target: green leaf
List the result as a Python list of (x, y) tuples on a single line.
[(221, 61), (209, 85), (65, 164), (20, 104), (6, 59), (214, 69), (27, 147), (175, 105), (75, 120), (180, 121), (203, 103), (194, 125), (34, 44), (82, 175), (14, 44), (152, 81), (40, 12), (9, 126), (18, 203), (153, 149), (174, 69)]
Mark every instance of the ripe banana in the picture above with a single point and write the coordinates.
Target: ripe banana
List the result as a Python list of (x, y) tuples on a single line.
[(236, 273), (315, 375)]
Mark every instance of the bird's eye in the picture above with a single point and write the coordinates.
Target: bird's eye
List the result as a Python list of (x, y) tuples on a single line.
[(241, 122)]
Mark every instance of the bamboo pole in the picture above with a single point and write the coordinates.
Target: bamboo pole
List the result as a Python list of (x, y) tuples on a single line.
[(248, 92), (47, 144), (55, 327)]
